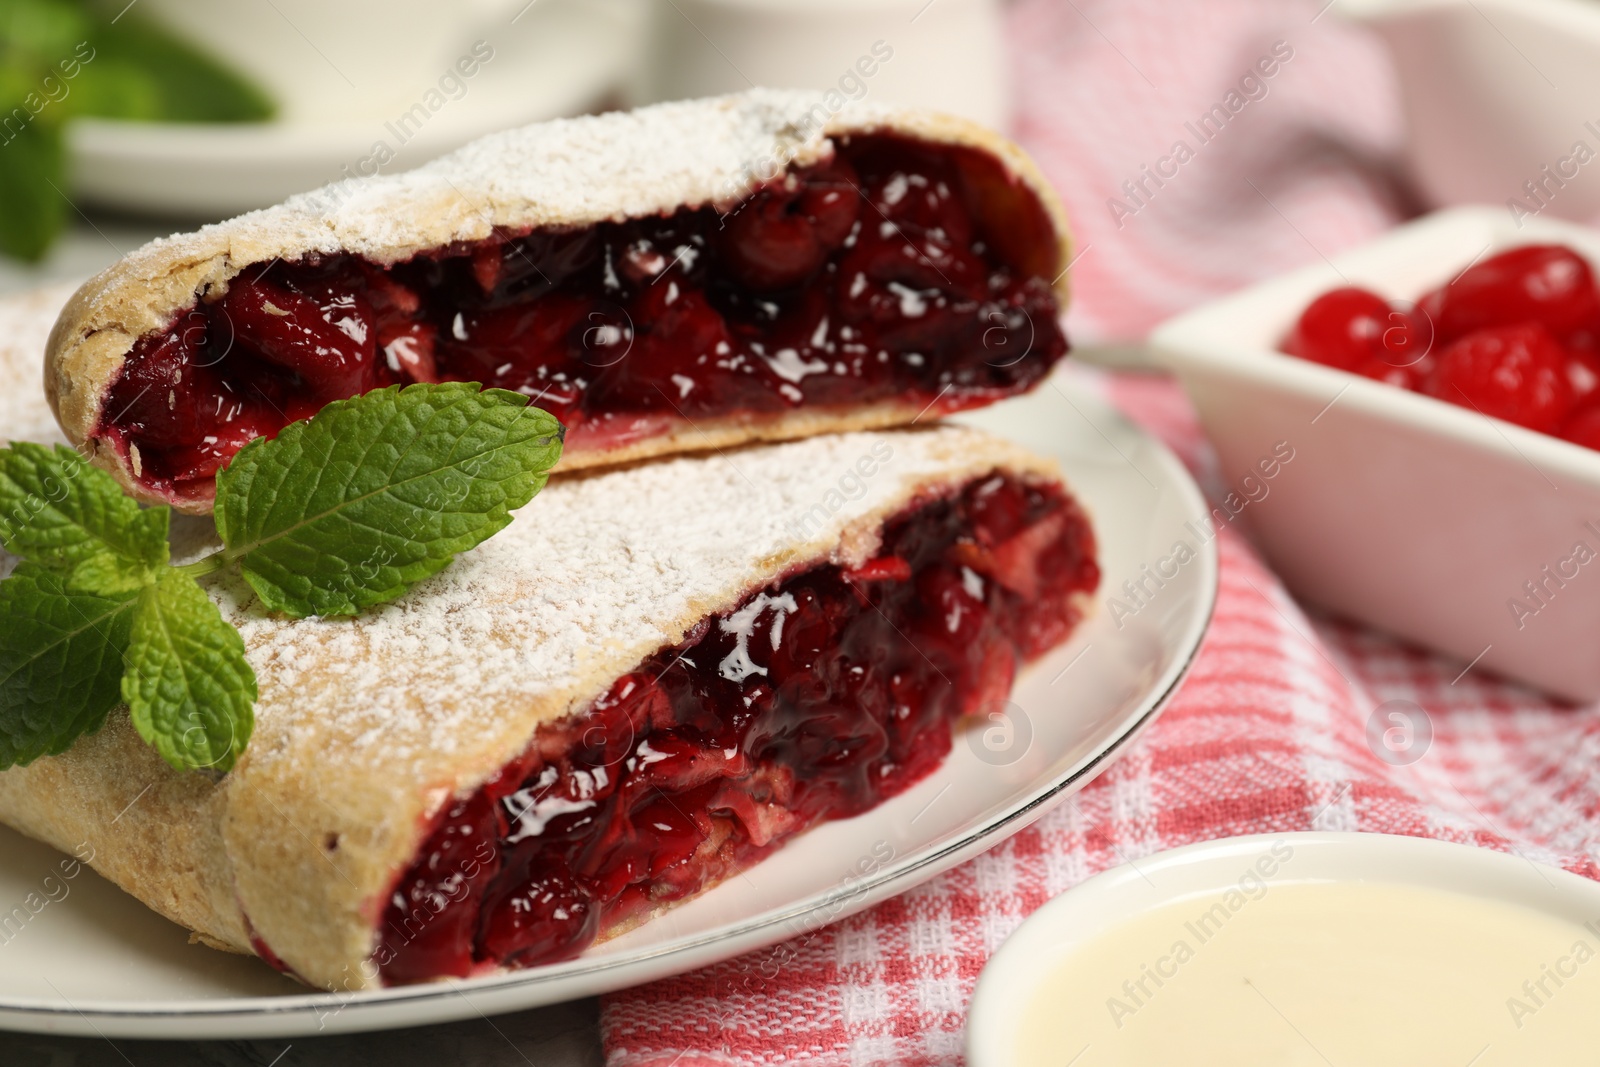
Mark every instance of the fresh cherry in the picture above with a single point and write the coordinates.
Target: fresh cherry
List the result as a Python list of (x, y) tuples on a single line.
[(1516, 336), (1516, 373), (1548, 284), (1356, 330), (1584, 427), (1583, 372)]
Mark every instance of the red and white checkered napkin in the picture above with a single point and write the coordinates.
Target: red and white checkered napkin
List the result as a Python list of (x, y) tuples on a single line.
[(1268, 734)]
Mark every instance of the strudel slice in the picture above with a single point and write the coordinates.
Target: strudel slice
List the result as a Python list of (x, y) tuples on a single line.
[(651, 680), (687, 276)]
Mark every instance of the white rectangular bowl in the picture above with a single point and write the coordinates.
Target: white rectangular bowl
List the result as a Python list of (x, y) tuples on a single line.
[(1404, 512)]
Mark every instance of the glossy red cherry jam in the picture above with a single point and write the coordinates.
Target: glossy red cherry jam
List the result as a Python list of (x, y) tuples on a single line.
[(1516, 337), (815, 699), (898, 271)]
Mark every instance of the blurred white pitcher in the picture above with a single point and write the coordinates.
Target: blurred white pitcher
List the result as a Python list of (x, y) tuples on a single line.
[(943, 54), (333, 60)]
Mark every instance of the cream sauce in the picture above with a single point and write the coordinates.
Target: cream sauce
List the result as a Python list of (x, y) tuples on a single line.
[(1320, 974)]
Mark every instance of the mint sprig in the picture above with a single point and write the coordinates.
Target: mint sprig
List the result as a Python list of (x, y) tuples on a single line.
[(65, 59), (337, 514), (403, 482), (101, 541), (60, 662), (188, 687)]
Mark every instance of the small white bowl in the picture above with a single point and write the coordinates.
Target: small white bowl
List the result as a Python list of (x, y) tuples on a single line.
[(1494, 92), (1065, 925), (1413, 515)]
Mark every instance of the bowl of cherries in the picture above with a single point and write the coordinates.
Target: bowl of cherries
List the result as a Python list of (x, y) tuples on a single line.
[(1515, 336), (1439, 391)]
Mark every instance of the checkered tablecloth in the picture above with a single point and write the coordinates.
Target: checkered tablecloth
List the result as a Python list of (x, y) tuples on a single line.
[(1270, 733)]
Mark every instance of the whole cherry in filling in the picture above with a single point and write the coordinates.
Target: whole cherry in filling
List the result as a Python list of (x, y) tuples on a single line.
[(895, 272), (814, 699)]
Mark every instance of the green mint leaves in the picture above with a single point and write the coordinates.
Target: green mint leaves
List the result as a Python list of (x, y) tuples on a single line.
[(61, 60), (188, 687), (60, 662), (356, 506), (337, 514), (83, 527)]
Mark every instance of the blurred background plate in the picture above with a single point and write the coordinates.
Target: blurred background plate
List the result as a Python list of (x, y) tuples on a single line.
[(550, 60)]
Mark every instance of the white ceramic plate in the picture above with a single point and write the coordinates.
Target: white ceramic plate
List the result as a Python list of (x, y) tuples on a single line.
[(562, 62), (1208, 869), (1423, 518), (98, 962)]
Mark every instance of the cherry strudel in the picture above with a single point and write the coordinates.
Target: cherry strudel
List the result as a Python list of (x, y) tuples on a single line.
[(687, 276), (649, 681)]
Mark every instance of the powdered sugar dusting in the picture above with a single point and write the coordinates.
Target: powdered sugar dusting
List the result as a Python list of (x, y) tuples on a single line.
[(25, 321), (568, 172)]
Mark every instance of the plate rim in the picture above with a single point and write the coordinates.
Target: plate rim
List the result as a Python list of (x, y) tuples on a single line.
[(371, 1010)]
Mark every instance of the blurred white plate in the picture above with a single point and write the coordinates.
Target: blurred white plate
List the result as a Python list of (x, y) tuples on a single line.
[(97, 962), (565, 62)]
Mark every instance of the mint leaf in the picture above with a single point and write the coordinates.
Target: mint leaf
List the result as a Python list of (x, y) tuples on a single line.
[(60, 662), (142, 72), (188, 686), (32, 186), (61, 59), (39, 31), (62, 513), (376, 493)]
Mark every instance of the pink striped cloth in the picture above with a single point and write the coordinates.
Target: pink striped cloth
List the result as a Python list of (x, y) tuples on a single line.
[(1270, 731), (1108, 91)]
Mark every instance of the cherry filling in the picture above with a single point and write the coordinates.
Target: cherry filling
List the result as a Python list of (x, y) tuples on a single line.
[(815, 699), (897, 271)]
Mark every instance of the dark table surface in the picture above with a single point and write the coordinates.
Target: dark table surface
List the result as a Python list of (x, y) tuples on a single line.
[(564, 1034)]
